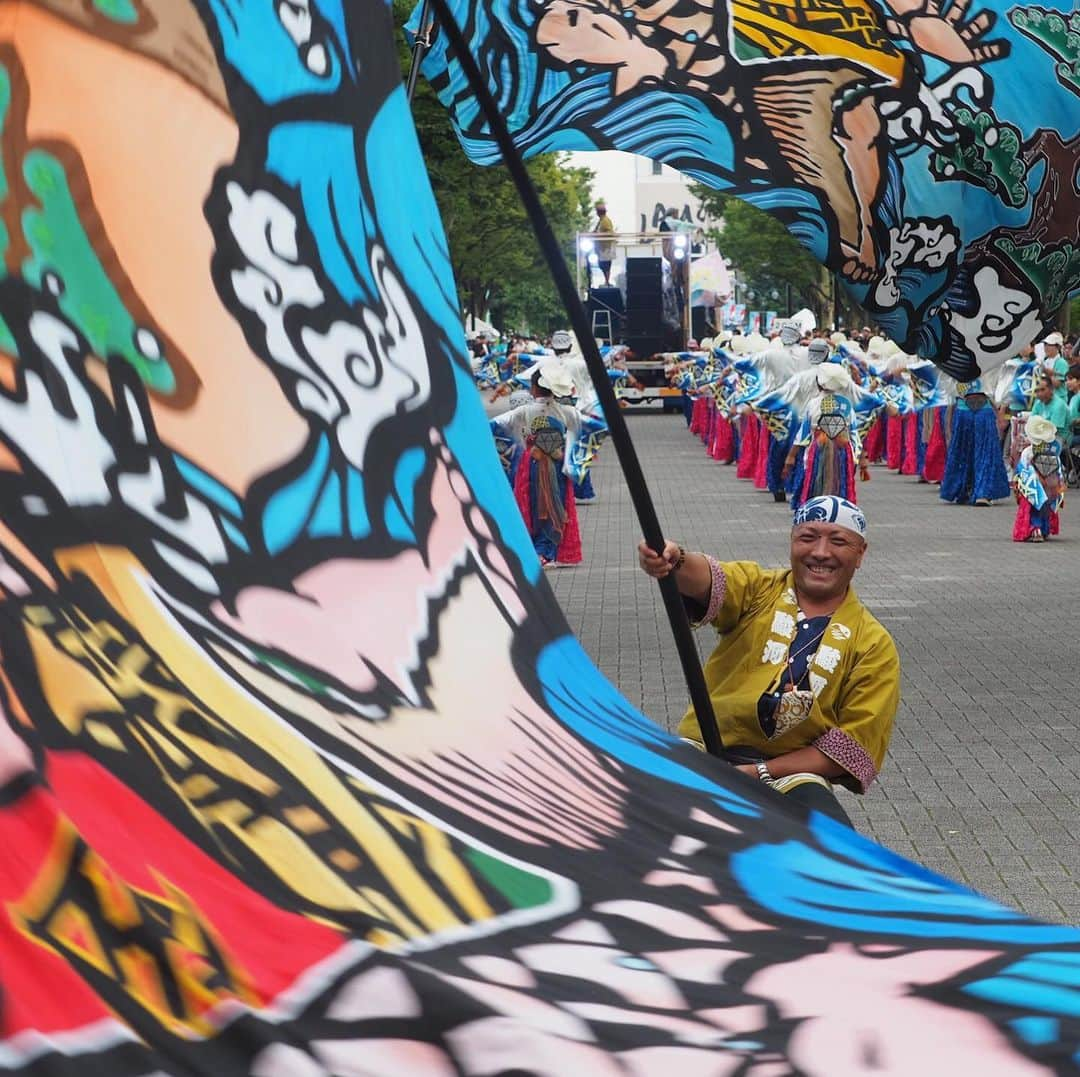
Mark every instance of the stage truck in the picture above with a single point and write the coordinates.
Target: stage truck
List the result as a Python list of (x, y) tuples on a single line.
[(636, 287)]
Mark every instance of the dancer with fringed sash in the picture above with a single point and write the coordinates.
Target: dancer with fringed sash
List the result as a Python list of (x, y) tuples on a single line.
[(545, 495), (1040, 483), (822, 458)]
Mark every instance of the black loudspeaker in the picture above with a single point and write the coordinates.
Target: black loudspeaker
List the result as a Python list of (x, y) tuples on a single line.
[(640, 266), (644, 282), (645, 330), (609, 297)]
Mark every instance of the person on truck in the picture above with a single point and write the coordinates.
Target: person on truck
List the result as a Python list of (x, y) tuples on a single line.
[(605, 248)]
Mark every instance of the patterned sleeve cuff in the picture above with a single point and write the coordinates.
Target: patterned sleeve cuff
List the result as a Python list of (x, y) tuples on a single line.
[(849, 754), (716, 593)]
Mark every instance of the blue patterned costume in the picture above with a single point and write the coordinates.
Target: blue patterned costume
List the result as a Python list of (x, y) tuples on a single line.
[(974, 469), (1040, 492)]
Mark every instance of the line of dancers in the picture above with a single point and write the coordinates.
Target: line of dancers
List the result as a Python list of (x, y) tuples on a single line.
[(804, 415)]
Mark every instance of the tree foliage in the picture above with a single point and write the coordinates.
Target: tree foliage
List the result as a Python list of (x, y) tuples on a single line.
[(496, 261)]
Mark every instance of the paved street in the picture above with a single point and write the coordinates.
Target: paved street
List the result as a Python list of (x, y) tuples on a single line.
[(980, 782)]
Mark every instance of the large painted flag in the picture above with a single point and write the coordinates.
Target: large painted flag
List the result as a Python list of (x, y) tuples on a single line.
[(301, 773), (925, 150), (710, 281)]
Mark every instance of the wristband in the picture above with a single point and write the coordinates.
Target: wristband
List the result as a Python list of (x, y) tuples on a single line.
[(763, 772)]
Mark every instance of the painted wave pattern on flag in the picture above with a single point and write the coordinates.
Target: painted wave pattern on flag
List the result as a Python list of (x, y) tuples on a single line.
[(925, 150), (301, 772)]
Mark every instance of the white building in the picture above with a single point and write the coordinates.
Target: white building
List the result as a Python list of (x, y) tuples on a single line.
[(639, 191)]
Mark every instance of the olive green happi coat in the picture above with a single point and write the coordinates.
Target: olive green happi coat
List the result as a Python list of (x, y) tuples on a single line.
[(854, 676)]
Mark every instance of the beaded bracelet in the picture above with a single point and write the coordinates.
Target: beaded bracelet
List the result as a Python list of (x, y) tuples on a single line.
[(681, 561)]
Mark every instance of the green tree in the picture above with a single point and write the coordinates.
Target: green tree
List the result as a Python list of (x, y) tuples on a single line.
[(495, 258), (770, 263)]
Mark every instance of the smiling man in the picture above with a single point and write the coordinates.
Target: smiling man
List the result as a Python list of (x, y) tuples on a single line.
[(804, 681)]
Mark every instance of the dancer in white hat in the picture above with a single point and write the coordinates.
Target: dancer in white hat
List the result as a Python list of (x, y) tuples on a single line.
[(578, 470), (1040, 483), (773, 367), (824, 451), (544, 494)]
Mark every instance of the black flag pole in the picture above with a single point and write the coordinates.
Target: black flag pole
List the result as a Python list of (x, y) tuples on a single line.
[(426, 27), (620, 435)]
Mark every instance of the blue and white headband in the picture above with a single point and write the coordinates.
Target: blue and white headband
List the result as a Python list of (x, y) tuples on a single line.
[(831, 510)]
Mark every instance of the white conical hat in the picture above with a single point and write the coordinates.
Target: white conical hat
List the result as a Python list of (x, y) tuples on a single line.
[(833, 378), (895, 359), (556, 377), (1039, 429)]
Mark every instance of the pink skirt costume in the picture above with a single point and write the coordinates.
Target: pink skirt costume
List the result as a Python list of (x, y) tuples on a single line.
[(749, 431), (723, 441), (894, 442), (875, 441), (761, 466), (934, 465), (909, 458)]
